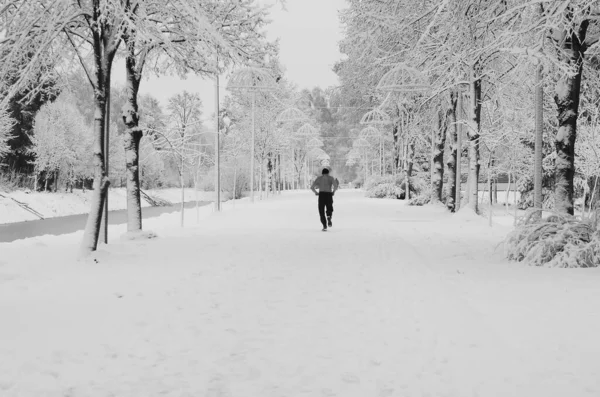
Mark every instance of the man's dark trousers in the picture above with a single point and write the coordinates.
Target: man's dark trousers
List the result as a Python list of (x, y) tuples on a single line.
[(325, 201)]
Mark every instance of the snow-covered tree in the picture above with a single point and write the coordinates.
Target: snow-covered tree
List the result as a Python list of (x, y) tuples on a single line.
[(180, 140), (61, 141), (6, 123), (576, 29), (182, 36), (48, 28), (93, 31)]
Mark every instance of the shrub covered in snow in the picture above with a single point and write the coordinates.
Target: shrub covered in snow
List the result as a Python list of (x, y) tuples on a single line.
[(385, 190), (421, 199), (384, 187), (554, 241), (390, 186)]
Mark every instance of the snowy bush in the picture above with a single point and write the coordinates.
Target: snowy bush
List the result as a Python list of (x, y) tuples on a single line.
[(556, 241), (393, 187), (375, 180), (385, 190), (421, 199), (384, 187)]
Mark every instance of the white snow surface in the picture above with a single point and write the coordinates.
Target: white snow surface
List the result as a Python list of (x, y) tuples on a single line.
[(257, 301), (62, 204)]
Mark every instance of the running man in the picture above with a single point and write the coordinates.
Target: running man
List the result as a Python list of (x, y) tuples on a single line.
[(327, 186)]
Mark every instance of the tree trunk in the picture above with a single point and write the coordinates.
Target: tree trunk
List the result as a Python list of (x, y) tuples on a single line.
[(104, 222), (473, 134), (132, 138), (573, 45), (105, 44), (56, 174), (101, 182), (515, 203), (280, 185), (495, 199), (437, 174), (396, 136), (380, 155), (484, 191), (270, 175), (260, 173), (539, 134), (507, 194), (234, 183), (410, 149), (411, 158), (567, 102), (467, 184), (491, 201), (459, 150), (451, 136), (592, 197), (182, 185)]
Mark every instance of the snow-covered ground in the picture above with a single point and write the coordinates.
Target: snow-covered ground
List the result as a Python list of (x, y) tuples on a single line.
[(51, 205), (257, 301)]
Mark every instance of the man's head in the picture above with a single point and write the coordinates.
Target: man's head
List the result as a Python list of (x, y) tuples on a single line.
[(325, 171)]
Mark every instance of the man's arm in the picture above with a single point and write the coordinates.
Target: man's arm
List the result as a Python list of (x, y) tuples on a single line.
[(336, 185), (314, 185)]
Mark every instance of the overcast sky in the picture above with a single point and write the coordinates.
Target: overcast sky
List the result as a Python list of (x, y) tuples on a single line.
[(309, 31)]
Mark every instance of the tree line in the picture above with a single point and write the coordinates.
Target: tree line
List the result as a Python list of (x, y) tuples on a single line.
[(516, 81), (42, 41)]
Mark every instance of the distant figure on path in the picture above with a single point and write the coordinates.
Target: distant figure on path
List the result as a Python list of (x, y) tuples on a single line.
[(327, 186)]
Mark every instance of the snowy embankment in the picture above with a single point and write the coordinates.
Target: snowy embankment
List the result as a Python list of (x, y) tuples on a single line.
[(257, 301), (51, 205)]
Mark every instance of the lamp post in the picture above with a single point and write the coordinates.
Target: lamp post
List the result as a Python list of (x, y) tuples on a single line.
[(254, 80)]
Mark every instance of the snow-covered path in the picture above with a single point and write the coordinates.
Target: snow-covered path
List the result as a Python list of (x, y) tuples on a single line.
[(257, 301)]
